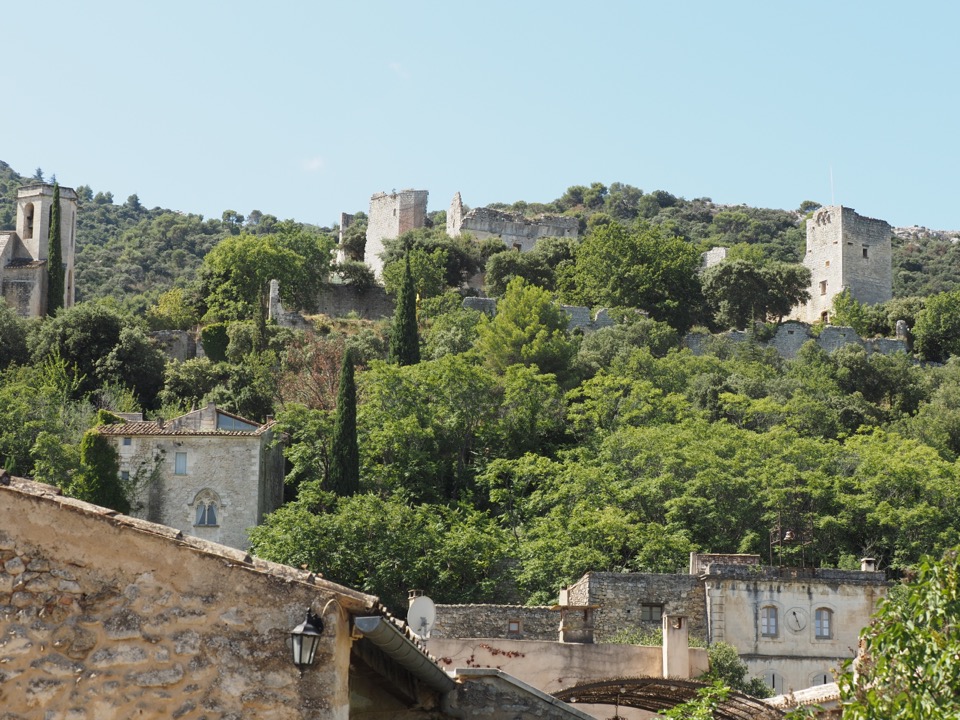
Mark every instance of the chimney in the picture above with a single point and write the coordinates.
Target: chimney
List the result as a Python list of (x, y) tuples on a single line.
[(413, 595), (160, 423), (676, 651), (868, 564)]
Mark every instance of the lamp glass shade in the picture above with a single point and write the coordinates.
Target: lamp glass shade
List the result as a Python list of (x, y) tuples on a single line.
[(306, 638)]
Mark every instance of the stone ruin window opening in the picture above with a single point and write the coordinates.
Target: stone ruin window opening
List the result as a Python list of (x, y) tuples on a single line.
[(207, 509), (124, 475), (823, 287), (769, 617), (650, 612), (775, 681), (821, 679), (865, 253), (827, 264), (128, 441), (28, 221)]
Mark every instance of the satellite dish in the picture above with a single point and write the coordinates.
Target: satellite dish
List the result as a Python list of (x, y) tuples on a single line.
[(421, 616)]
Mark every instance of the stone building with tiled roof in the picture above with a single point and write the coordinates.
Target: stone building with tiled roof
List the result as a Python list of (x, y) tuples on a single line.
[(208, 473)]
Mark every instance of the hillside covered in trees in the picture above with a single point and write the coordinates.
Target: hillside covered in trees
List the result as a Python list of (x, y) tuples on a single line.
[(513, 455)]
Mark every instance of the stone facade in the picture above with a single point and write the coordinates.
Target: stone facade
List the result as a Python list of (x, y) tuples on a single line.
[(515, 230), (207, 473), (177, 345), (391, 215), (518, 622), (845, 251), (817, 617), (24, 251), (713, 256), (630, 602)]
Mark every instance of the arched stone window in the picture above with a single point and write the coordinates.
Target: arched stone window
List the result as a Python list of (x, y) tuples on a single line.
[(774, 680), (207, 509)]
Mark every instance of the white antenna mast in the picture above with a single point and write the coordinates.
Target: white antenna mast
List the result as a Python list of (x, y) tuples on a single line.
[(832, 200)]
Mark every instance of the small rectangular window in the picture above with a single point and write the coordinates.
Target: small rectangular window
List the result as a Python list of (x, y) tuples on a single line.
[(768, 621), (651, 613), (823, 621), (865, 251), (513, 627), (180, 464), (127, 441), (823, 287), (124, 474)]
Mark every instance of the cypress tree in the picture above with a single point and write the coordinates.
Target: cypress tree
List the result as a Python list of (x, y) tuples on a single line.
[(344, 474), (54, 257), (404, 341)]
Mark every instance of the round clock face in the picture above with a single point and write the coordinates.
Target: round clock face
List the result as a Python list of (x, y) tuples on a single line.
[(796, 619)]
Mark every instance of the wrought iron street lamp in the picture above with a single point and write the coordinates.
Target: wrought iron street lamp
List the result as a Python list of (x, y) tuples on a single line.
[(306, 638)]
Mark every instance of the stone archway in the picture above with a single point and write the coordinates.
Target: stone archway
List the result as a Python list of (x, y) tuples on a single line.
[(655, 694)]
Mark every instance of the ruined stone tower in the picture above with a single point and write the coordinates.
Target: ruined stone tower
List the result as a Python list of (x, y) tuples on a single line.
[(391, 215), (24, 251), (845, 251)]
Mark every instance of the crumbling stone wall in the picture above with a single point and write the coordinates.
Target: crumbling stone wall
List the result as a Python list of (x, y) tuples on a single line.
[(341, 300), (515, 230), (792, 335), (493, 621), (104, 616), (580, 317), (178, 345), (621, 596)]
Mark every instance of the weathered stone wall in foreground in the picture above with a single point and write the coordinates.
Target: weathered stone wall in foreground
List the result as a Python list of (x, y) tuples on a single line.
[(104, 616)]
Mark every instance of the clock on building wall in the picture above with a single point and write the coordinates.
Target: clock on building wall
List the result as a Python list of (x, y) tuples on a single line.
[(796, 619)]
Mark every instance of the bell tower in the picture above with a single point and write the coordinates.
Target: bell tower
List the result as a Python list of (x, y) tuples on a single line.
[(34, 206)]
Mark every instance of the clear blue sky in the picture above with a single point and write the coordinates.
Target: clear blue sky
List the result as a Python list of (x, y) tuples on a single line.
[(304, 109)]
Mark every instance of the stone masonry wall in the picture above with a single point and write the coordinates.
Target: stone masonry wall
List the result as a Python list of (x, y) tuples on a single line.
[(341, 300), (391, 215), (104, 616), (516, 229), (580, 317), (492, 621), (621, 595), (792, 335)]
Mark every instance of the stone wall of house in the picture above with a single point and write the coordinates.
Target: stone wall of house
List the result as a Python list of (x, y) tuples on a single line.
[(107, 617), (341, 300), (493, 621), (621, 597)]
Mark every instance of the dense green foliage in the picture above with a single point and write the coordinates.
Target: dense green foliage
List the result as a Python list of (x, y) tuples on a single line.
[(98, 480), (55, 278), (516, 455), (909, 662)]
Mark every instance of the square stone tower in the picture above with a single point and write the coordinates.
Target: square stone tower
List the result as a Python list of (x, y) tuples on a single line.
[(24, 252), (391, 215), (845, 251)]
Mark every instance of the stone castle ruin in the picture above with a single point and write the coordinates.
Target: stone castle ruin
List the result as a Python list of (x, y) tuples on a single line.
[(514, 229), (391, 215), (24, 251), (845, 251)]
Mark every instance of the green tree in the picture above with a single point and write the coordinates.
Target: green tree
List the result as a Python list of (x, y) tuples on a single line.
[(55, 288), (344, 478), (13, 337), (98, 480), (172, 311), (937, 331), (404, 338), (727, 667), (645, 269), (741, 292), (528, 329), (909, 660)]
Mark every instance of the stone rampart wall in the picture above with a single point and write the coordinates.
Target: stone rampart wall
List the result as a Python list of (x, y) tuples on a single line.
[(580, 317), (516, 229), (341, 300), (493, 621), (792, 335), (390, 216), (178, 345)]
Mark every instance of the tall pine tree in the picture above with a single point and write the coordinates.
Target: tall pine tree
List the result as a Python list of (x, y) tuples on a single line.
[(54, 257), (344, 475), (404, 341)]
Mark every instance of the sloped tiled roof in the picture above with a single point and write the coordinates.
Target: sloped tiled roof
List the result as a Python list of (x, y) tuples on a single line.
[(153, 428)]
